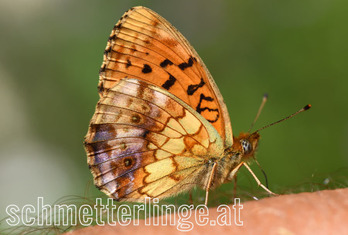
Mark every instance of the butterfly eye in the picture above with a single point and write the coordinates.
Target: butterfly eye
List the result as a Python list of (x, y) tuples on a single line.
[(246, 146)]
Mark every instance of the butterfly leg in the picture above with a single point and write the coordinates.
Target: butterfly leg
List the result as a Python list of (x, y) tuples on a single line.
[(234, 175), (190, 197), (235, 187), (209, 183), (258, 181)]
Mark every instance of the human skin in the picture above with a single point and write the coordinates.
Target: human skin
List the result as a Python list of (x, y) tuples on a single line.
[(321, 212)]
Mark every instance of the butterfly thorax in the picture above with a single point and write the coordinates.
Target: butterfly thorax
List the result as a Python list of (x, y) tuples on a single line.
[(243, 148)]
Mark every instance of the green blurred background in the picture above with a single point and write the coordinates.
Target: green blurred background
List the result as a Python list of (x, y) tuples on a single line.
[(296, 51)]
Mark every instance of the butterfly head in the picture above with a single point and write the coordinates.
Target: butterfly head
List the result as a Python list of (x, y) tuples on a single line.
[(246, 144)]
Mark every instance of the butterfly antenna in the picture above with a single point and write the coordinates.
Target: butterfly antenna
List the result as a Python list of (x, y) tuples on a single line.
[(308, 106), (264, 100)]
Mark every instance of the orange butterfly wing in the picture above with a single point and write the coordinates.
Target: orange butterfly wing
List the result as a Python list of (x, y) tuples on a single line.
[(143, 45)]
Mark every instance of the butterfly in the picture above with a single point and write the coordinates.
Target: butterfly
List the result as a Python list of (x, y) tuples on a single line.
[(161, 126)]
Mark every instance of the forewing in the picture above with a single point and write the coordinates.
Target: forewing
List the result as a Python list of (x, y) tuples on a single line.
[(145, 46)]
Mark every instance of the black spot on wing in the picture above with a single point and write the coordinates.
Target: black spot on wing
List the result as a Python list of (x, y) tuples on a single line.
[(108, 50), (185, 65), (193, 88), (101, 88), (118, 26), (128, 63), (201, 109), (102, 69), (146, 69), (169, 83), (165, 63), (112, 38), (146, 132)]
